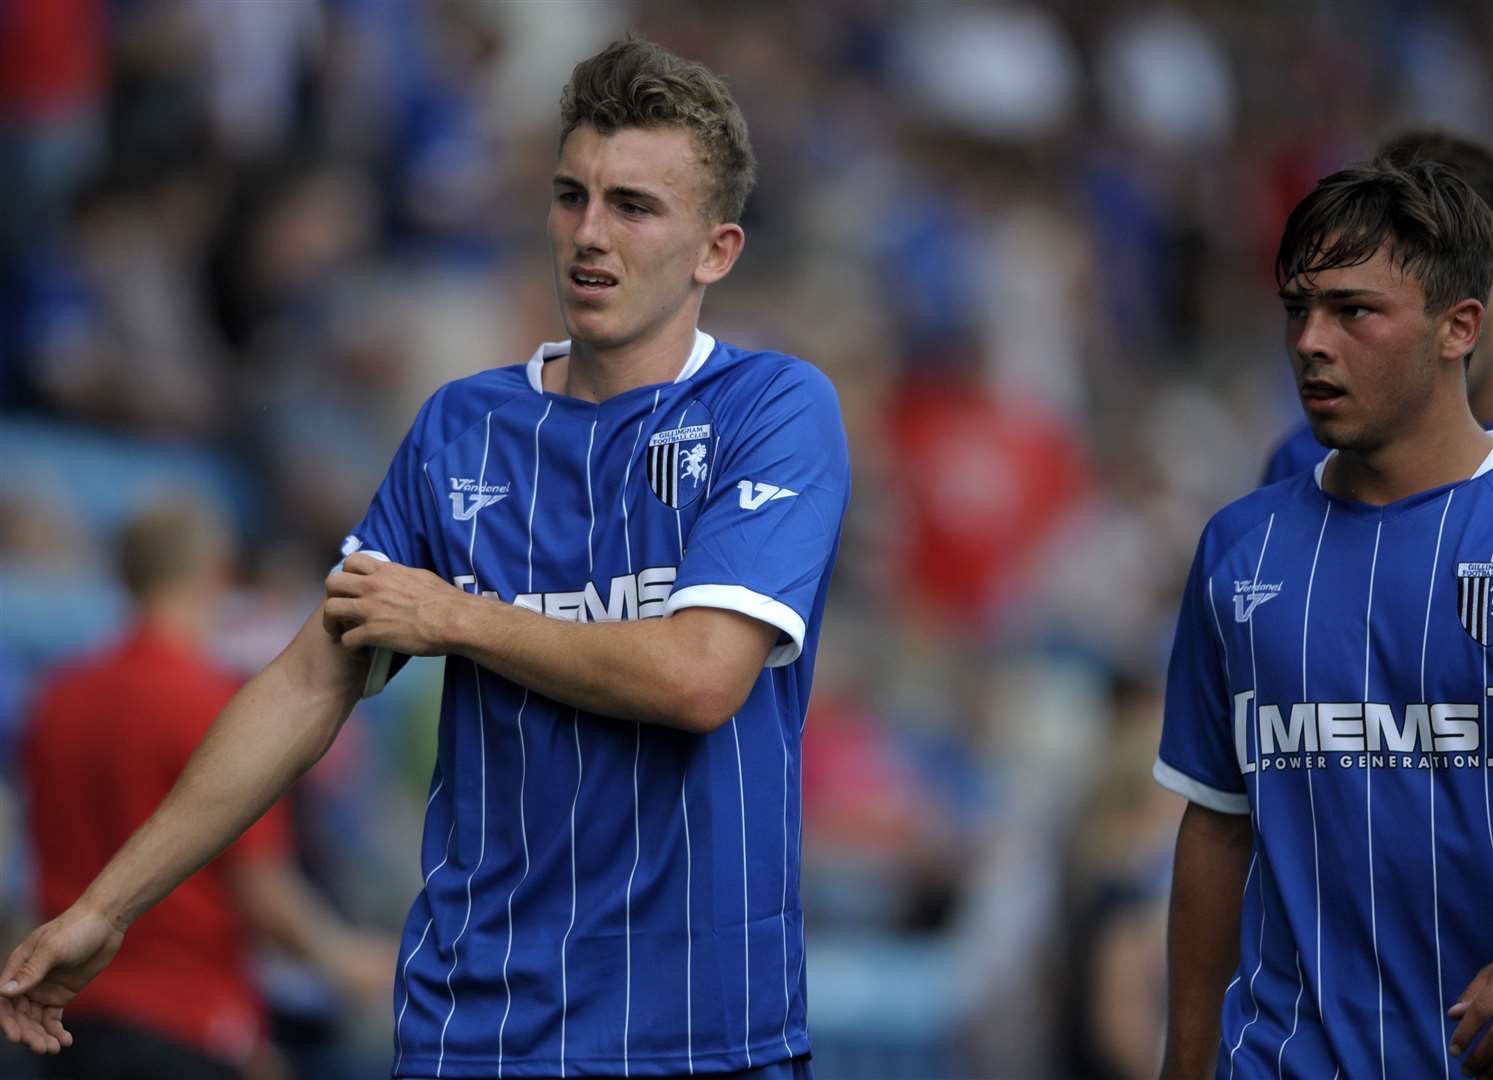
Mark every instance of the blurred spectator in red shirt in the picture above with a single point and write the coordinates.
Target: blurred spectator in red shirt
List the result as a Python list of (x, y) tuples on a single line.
[(108, 736), (983, 481)]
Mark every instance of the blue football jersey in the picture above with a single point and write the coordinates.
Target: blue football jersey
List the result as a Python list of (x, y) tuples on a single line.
[(603, 897), (1296, 453), (1330, 678)]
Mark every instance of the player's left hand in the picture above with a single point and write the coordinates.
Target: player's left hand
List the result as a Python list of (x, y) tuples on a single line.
[(374, 603), (1474, 1009)]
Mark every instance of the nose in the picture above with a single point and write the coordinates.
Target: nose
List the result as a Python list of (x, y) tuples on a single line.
[(1311, 338), (591, 230)]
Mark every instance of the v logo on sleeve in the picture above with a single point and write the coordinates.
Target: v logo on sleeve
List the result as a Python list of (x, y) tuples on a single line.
[(754, 495)]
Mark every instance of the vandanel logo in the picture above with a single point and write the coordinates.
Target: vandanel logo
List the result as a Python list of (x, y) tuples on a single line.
[(1249, 595), (469, 496)]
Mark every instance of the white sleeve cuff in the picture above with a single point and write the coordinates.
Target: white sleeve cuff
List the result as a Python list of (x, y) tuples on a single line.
[(1225, 802), (763, 608)]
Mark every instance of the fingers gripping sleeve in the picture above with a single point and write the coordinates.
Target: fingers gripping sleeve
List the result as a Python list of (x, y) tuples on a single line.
[(394, 529)]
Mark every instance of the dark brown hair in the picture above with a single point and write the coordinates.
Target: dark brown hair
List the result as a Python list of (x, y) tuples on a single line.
[(1438, 230), (635, 83)]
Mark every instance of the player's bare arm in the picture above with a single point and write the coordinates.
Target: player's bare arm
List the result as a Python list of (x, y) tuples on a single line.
[(690, 671), (272, 731), (1474, 1012), (1213, 853)]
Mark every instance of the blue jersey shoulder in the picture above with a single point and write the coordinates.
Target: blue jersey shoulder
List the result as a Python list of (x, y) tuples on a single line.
[(1245, 516), (459, 404), (752, 380)]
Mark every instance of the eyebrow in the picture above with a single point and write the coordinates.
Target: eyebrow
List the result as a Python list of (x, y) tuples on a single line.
[(1330, 294), (616, 191)]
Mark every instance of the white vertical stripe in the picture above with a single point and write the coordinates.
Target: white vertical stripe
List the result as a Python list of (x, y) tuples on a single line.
[(1280, 1058), (678, 523), (803, 945), (689, 941), (1213, 605), (689, 936), (534, 493), (1259, 810), (523, 828), (481, 757), (636, 748), (1487, 751), (575, 727), (590, 504), (1369, 795), (746, 940), (627, 478), (523, 758), (404, 971), (1431, 776), (783, 901), (1253, 859), (637, 851), (1311, 793)]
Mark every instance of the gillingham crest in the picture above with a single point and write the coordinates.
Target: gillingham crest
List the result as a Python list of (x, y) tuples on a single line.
[(1474, 590), (680, 458)]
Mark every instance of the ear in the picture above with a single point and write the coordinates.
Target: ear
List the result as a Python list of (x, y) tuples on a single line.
[(1461, 326), (723, 247)]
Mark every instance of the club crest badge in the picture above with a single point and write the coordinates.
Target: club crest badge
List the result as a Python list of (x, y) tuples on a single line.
[(680, 458), (1474, 590)]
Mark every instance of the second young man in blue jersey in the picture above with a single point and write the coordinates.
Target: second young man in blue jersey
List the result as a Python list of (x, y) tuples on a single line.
[(611, 847), (1327, 710)]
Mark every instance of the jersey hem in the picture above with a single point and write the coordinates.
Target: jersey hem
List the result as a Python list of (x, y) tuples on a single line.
[(741, 599), (455, 1067), (1225, 802)]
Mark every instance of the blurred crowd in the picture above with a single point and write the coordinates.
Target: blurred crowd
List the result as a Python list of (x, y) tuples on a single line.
[(1031, 243)]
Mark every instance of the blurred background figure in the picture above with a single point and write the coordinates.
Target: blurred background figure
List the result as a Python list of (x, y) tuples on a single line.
[(1031, 244), (107, 737)]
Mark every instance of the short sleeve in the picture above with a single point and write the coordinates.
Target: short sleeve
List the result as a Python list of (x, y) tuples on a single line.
[(394, 530), (767, 535), (1198, 759), (393, 527)]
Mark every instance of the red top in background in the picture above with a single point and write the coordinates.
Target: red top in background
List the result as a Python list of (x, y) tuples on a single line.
[(107, 739), (51, 56)]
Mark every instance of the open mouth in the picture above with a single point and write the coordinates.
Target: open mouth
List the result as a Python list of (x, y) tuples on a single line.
[(1319, 396), (591, 282)]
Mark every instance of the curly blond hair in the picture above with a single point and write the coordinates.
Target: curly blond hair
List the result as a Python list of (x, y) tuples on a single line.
[(635, 83)]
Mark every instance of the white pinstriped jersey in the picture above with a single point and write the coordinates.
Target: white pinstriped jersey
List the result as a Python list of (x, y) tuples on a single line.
[(603, 897), (1330, 678)]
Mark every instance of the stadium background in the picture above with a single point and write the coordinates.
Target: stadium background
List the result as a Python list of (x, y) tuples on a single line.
[(1031, 243)]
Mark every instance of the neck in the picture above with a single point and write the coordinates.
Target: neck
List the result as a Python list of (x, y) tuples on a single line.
[(594, 374), (1480, 400), (1439, 455)]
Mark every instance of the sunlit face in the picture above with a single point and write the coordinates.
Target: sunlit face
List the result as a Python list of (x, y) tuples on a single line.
[(629, 234), (1363, 350)]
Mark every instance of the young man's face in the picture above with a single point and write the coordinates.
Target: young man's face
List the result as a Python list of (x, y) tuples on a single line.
[(629, 234), (1363, 350)]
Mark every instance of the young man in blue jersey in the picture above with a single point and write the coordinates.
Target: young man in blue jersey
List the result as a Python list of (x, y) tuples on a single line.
[(1327, 710), (1473, 162), (612, 838)]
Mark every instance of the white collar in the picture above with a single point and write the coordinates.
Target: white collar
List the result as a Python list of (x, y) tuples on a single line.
[(1322, 467), (703, 347)]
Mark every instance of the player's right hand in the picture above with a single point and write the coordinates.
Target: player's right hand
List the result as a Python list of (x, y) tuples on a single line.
[(46, 971)]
